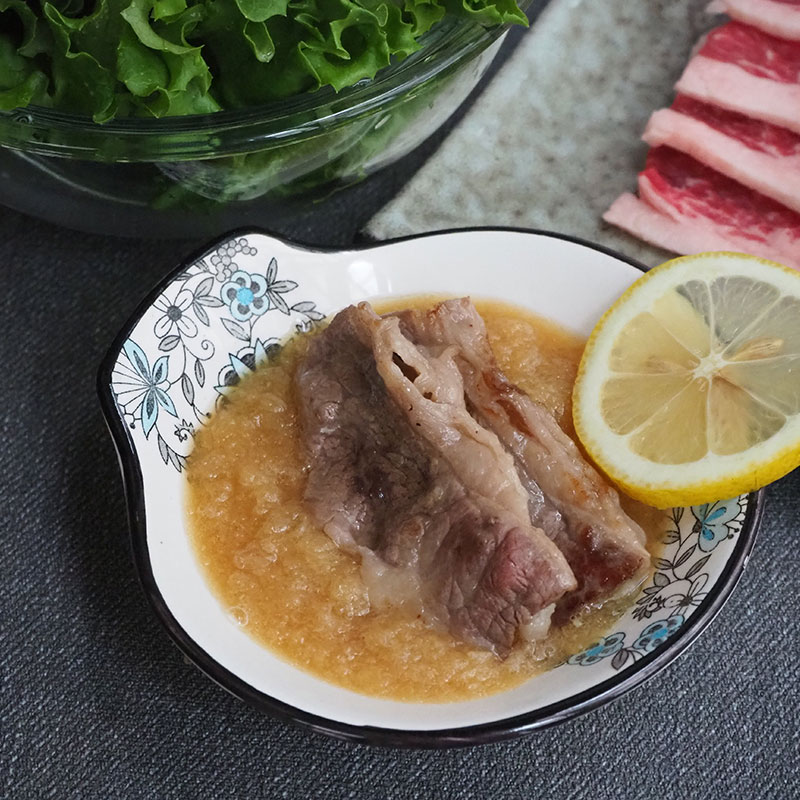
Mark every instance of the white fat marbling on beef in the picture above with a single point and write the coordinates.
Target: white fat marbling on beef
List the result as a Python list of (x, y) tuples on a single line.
[(755, 153), (778, 17)]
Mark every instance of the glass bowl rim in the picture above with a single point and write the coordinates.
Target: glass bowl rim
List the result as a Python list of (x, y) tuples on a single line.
[(43, 131)]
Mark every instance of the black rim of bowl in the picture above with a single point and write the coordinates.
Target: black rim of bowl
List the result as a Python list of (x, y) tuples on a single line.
[(507, 728)]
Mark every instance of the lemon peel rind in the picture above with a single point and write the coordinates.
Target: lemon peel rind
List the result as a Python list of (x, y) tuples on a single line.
[(750, 479)]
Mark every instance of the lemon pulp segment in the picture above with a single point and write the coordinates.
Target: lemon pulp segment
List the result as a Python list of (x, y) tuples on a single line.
[(699, 357)]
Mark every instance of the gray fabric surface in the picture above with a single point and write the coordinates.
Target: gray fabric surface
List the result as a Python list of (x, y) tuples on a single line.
[(96, 703)]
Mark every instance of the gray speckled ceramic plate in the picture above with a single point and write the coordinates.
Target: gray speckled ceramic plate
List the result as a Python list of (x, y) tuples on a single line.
[(554, 139)]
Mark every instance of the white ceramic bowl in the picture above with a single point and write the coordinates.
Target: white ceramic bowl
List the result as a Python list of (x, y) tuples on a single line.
[(189, 342)]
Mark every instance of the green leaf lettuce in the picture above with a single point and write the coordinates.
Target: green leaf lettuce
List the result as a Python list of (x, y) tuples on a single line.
[(110, 58)]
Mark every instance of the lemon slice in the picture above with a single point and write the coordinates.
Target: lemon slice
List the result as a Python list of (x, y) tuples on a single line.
[(689, 387)]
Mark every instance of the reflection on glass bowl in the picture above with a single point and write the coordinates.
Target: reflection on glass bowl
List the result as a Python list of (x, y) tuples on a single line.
[(201, 175)]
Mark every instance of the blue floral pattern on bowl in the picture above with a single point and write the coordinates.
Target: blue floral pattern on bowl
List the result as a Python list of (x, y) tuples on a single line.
[(224, 289), (678, 582)]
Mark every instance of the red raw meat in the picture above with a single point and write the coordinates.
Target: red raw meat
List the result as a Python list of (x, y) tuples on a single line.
[(746, 70), (688, 207), (778, 17), (754, 51), (757, 154)]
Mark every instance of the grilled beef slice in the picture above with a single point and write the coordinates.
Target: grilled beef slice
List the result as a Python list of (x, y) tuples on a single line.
[(568, 499), (402, 476)]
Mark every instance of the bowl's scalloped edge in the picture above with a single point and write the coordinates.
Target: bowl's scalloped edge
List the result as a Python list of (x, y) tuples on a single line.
[(499, 730)]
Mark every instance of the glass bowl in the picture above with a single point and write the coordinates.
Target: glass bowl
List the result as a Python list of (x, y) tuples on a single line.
[(202, 175)]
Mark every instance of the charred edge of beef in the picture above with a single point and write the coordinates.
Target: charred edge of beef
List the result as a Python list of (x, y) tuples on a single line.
[(568, 498)]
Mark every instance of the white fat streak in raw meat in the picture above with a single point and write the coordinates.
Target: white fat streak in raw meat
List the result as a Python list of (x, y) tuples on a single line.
[(779, 19), (725, 85), (776, 176), (779, 245), (687, 235)]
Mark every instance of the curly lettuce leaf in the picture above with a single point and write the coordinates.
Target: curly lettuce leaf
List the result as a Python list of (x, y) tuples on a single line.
[(141, 69), (423, 15), (81, 81), (160, 35), (107, 58), (262, 10), (487, 12), (167, 75), (164, 9), (21, 80), (19, 83)]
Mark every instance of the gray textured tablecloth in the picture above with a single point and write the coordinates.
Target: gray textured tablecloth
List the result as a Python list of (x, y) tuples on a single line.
[(96, 703)]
